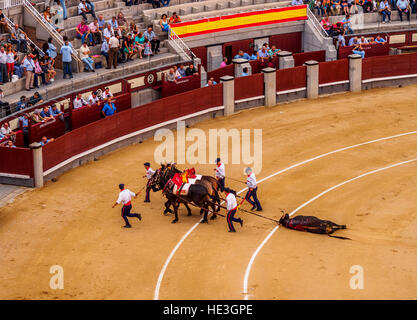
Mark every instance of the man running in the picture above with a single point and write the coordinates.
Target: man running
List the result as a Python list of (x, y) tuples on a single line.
[(220, 173), (148, 175), (125, 197), (252, 189), (231, 205)]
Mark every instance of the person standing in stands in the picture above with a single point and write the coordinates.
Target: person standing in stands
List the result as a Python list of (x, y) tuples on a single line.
[(153, 39), (149, 174), (66, 51), (220, 173), (114, 46), (252, 190), (29, 70), (125, 198)]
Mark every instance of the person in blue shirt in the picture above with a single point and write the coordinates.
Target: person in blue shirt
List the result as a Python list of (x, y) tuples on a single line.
[(254, 56), (46, 114), (22, 103), (244, 72), (242, 55), (51, 50), (66, 51), (108, 109), (45, 140), (379, 39), (385, 10)]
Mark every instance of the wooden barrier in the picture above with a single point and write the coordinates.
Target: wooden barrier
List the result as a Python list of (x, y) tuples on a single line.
[(333, 71), (386, 66), (16, 161), (249, 86), (180, 85), (371, 50), (292, 78), (229, 70), (300, 58)]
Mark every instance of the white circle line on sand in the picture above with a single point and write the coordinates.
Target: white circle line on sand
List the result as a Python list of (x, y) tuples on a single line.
[(171, 255), (258, 249)]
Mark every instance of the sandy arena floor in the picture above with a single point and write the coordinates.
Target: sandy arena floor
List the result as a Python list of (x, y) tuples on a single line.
[(71, 223)]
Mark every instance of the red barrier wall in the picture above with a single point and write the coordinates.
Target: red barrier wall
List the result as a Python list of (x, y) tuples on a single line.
[(287, 42), (16, 161), (300, 58), (371, 50), (50, 129), (292, 78), (181, 85), (386, 66), (104, 130), (249, 86), (229, 70), (333, 71)]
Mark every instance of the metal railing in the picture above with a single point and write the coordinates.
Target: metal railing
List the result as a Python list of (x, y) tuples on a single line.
[(181, 45), (6, 4), (50, 28), (10, 24), (319, 28)]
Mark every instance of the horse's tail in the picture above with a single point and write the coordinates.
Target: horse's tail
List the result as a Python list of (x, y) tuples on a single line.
[(339, 237)]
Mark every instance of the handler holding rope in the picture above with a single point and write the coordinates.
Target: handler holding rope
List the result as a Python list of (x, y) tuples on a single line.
[(149, 174), (220, 173), (231, 209), (252, 189)]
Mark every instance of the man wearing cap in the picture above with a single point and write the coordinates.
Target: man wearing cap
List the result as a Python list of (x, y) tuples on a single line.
[(149, 174), (252, 189), (231, 206), (220, 173), (125, 197)]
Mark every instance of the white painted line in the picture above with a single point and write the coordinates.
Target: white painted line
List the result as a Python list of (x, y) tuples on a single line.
[(252, 259), (161, 275)]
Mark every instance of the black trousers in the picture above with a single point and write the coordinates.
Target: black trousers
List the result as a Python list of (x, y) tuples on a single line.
[(126, 213), (155, 45), (400, 13), (221, 184), (231, 218), (254, 202)]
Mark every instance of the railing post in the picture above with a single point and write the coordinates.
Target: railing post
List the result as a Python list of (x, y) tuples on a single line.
[(270, 86), (37, 164), (312, 79), (240, 64), (355, 72), (285, 60), (228, 94)]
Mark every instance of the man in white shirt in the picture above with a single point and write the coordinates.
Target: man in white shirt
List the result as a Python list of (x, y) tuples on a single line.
[(79, 101), (3, 65), (114, 45), (93, 99), (231, 205), (125, 198), (252, 189), (220, 173), (83, 9), (7, 132), (148, 175), (106, 94)]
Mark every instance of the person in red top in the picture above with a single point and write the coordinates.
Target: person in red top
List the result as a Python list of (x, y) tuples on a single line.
[(174, 18)]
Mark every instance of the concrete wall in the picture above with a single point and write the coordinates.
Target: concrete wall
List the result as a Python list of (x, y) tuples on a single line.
[(314, 41)]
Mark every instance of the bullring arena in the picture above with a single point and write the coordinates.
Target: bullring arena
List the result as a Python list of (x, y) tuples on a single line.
[(339, 132)]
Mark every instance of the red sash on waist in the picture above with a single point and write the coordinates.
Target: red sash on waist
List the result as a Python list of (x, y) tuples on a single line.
[(128, 203)]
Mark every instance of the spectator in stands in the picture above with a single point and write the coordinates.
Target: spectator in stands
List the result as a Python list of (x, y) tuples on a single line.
[(83, 31), (36, 99), (170, 76), (245, 72), (10, 61), (105, 50), (114, 46), (362, 40), (64, 9), (353, 41), (95, 32), (46, 114), (129, 49), (155, 3), (254, 56), (270, 63), (297, 2), (174, 18), (22, 103), (18, 37), (108, 109), (164, 23), (18, 66), (85, 57), (7, 132), (122, 23), (108, 32), (212, 80), (153, 39), (101, 22), (45, 140), (36, 117), (263, 54), (273, 52), (242, 55), (345, 6), (66, 51), (29, 70), (367, 5), (4, 105), (47, 65), (224, 63), (84, 9), (51, 49), (9, 144), (54, 111), (347, 24), (341, 38), (191, 71), (335, 7), (139, 43), (47, 14), (93, 99), (325, 23), (318, 5), (147, 48), (379, 39), (209, 83), (358, 50), (24, 126), (3, 23), (114, 25), (79, 102), (3, 65), (38, 73), (57, 12), (106, 94), (181, 72), (326, 5), (403, 6), (385, 10), (165, 3)]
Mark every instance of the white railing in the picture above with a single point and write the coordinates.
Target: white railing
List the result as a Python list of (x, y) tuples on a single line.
[(316, 24), (10, 24), (181, 44), (49, 27), (6, 4)]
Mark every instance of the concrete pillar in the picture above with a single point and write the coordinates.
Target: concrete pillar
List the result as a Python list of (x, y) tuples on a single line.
[(285, 60), (228, 94), (312, 79), (270, 86), (37, 164), (355, 72), (240, 64)]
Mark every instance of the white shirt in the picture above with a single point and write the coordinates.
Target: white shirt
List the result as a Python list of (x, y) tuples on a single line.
[(251, 181), (10, 57), (78, 103), (3, 57), (84, 51), (149, 173), (125, 196), (81, 6), (108, 33), (231, 201), (113, 42), (220, 171), (92, 100), (5, 131), (106, 95)]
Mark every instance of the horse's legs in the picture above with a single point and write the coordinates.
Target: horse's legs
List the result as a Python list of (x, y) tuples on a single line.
[(188, 209), (175, 204), (167, 209)]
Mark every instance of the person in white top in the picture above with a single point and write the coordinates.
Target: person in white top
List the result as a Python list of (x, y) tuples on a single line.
[(93, 99), (79, 101), (106, 94), (252, 189), (125, 198), (85, 57), (149, 174), (220, 173), (231, 205)]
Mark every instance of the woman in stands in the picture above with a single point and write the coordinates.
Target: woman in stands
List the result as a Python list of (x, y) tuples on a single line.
[(139, 43), (164, 23), (10, 61)]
